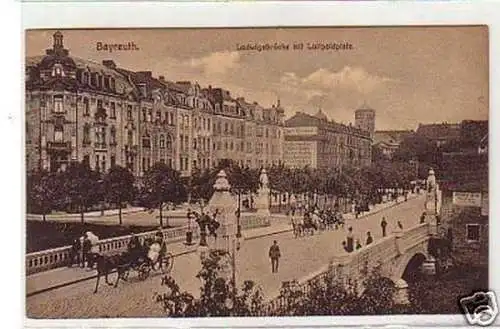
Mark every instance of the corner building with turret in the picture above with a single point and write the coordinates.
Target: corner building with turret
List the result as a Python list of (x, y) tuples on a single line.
[(101, 114)]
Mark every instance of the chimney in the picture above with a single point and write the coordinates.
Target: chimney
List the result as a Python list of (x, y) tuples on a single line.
[(161, 78), (147, 74), (109, 63)]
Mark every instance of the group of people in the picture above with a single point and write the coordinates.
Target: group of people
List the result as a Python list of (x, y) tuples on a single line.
[(84, 250), (313, 219), (349, 244), (151, 249)]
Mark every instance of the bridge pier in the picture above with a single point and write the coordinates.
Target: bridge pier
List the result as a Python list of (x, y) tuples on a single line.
[(401, 293)]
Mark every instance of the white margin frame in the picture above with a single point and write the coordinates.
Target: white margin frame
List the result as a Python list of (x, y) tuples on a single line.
[(232, 14)]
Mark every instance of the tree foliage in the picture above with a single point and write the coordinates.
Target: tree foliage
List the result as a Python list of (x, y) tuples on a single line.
[(81, 187), (119, 187), (217, 294), (161, 185)]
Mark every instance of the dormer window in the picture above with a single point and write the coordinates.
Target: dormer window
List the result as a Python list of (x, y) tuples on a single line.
[(57, 71), (93, 79)]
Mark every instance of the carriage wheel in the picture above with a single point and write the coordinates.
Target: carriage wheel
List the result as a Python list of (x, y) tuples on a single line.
[(143, 271), (166, 263)]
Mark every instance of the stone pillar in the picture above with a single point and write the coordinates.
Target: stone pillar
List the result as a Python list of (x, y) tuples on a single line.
[(398, 233), (401, 293), (431, 202), (224, 205)]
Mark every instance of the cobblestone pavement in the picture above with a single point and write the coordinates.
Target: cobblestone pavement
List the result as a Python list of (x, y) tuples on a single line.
[(299, 258)]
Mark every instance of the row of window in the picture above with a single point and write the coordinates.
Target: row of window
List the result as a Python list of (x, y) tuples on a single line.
[(100, 135), (100, 162), (97, 80), (165, 117), (163, 141)]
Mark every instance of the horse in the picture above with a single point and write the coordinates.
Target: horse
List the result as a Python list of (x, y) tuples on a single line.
[(308, 225), (106, 264), (318, 221)]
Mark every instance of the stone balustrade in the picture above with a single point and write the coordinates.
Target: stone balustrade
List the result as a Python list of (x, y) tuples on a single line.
[(349, 266), (52, 258)]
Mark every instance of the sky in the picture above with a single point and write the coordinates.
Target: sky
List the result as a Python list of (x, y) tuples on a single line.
[(409, 75)]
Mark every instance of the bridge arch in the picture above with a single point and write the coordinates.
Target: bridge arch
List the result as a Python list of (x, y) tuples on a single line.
[(410, 261)]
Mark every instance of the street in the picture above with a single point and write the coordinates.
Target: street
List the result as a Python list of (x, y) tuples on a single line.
[(300, 257)]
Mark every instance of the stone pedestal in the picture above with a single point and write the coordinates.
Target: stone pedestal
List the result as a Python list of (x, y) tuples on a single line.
[(224, 205), (401, 293), (262, 200)]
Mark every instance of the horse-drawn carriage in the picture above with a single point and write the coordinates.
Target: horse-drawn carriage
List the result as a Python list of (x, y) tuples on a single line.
[(316, 220), (143, 258)]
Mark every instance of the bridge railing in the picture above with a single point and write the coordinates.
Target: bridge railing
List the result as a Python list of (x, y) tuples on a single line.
[(349, 266), (52, 258)]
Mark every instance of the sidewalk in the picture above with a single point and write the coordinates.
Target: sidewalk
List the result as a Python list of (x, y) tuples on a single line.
[(63, 276)]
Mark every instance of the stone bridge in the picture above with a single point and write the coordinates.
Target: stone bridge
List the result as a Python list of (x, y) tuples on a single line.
[(402, 251)]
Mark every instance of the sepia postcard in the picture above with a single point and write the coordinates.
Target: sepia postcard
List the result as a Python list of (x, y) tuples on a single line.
[(257, 172)]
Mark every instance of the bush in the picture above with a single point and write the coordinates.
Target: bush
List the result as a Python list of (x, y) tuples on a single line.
[(218, 294)]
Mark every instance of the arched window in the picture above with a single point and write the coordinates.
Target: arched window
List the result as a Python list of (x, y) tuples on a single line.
[(113, 135), (162, 141), (169, 142), (86, 134), (58, 133)]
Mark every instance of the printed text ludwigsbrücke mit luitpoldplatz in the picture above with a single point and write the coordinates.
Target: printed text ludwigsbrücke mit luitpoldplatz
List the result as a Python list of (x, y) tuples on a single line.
[(278, 46)]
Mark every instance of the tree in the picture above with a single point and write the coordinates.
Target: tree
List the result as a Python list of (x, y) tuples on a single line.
[(201, 184), (162, 184), (329, 296), (279, 181), (119, 187), (42, 192), (79, 185)]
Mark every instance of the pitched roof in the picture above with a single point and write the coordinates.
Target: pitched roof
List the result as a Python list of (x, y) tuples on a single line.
[(439, 130), (391, 137)]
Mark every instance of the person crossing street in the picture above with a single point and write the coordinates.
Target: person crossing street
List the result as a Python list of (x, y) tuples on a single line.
[(383, 224), (274, 254)]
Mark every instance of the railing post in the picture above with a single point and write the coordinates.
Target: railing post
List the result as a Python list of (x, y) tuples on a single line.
[(399, 241)]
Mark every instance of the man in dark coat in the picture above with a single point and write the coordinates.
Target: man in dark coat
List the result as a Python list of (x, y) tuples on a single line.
[(350, 240), (274, 254), (383, 224)]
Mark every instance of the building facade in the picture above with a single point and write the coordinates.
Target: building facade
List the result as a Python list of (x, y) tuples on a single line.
[(316, 142), (104, 115), (388, 141)]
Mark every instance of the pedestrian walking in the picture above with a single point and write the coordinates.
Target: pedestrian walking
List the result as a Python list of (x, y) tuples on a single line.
[(74, 254), (350, 239), (400, 226), (383, 224), (86, 246), (274, 254), (344, 245), (369, 238), (358, 244)]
